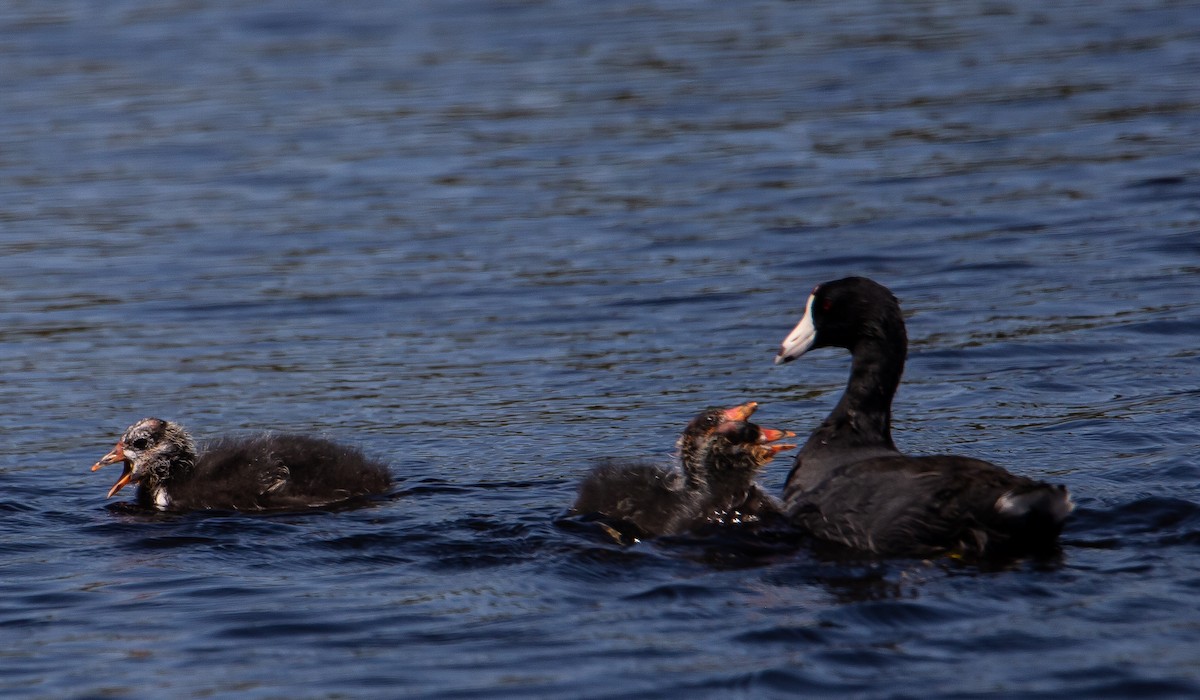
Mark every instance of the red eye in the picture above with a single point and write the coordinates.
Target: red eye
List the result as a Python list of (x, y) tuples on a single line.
[(826, 304)]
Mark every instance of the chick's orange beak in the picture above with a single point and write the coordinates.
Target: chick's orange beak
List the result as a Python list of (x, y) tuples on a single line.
[(126, 476), (741, 412), (771, 434), (767, 436), (116, 455)]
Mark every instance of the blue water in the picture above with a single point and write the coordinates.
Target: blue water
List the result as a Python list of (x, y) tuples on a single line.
[(491, 242)]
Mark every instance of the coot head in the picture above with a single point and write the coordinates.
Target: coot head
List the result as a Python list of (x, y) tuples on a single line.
[(710, 419), (744, 446), (151, 450), (695, 441), (843, 314)]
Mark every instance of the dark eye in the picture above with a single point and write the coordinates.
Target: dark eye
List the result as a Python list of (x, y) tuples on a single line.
[(139, 444), (826, 304)]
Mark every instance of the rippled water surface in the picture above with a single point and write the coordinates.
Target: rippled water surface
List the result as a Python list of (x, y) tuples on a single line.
[(491, 242)]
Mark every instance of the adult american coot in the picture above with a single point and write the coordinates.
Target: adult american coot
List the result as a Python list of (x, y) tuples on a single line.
[(261, 472), (851, 485), (720, 454)]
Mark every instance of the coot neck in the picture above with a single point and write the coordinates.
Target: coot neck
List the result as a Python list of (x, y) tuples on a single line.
[(695, 482), (863, 416), (178, 467), (691, 459), (729, 474)]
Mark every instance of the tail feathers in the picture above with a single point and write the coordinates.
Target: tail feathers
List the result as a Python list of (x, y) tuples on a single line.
[(1036, 505)]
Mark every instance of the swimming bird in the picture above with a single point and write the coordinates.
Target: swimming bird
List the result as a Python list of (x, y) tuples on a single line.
[(720, 454), (850, 485), (259, 472)]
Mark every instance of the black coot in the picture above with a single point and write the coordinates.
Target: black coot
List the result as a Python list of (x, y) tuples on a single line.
[(720, 454), (852, 486), (262, 472)]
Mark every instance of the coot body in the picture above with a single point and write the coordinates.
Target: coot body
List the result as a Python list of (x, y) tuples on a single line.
[(261, 472), (849, 483)]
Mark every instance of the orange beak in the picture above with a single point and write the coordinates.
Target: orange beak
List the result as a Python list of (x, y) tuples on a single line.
[(770, 435), (116, 455), (741, 412), (127, 475)]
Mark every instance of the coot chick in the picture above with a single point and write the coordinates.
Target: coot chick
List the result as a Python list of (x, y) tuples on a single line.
[(261, 472), (851, 485), (720, 453), (729, 461)]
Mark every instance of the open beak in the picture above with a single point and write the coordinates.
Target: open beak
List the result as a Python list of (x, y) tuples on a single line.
[(771, 434), (117, 455), (767, 436), (741, 412)]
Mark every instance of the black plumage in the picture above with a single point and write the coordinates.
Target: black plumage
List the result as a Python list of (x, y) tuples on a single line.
[(850, 484), (261, 472)]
